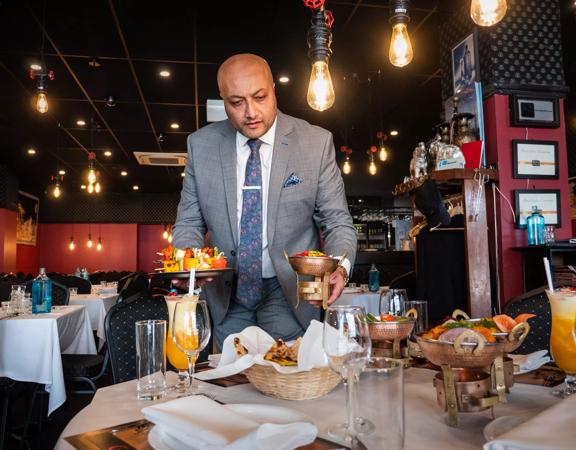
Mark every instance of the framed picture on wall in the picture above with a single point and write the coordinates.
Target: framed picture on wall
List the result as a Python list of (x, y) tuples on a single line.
[(27, 225), (546, 200), (465, 65), (535, 159)]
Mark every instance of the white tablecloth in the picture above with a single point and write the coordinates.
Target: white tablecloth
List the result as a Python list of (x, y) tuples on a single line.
[(425, 425), (31, 347), (97, 306), (369, 300), (99, 289)]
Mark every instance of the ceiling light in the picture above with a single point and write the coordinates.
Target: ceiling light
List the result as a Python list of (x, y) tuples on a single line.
[(174, 126), (82, 186), (394, 133), (401, 52), (81, 123), (35, 67), (61, 172), (165, 73), (111, 101), (284, 79), (135, 187), (123, 173), (487, 12), (31, 151), (94, 62), (41, 76), (107, 153)]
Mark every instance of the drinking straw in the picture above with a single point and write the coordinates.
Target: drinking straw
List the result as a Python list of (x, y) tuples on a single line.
[(192, 281), (548, 274)]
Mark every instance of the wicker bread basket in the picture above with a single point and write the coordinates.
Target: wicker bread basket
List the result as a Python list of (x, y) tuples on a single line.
[(293, 386)]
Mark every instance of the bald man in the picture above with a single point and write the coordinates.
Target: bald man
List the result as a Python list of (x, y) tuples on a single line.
[(262, 182)]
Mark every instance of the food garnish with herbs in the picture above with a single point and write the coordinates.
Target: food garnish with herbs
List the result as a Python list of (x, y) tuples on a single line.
[(175, 259)]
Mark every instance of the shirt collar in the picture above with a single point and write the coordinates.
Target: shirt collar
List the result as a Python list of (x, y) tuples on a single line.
[(266, 138)]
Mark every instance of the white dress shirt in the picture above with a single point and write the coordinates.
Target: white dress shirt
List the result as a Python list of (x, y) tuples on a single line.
[(242, 155)]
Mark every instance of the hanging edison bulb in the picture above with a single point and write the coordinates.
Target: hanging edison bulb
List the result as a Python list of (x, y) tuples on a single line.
[(170, 238), (347, 168), (320, 89), (372, 168), (41, 102), (90, 188), (382, 154), (71, 245), (320, 94), (165, 233), (90, 243), (487, 12), (400, 53), (99, 245), (91, 176), (97, 187)]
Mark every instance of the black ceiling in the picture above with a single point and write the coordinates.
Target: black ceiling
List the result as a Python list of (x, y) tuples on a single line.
[(135, 39)]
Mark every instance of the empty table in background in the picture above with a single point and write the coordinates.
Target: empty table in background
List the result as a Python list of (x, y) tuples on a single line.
[(97, 306), (358, 297)]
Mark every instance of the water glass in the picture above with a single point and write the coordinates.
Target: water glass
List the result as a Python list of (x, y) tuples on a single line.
[(6, 309), (73, 291), (381, 402), (151, 359), (392, 301), (421, 307)]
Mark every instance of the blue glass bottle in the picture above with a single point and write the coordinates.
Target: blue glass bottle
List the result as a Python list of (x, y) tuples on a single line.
[(535, 227), (41, 293), (373, 279)]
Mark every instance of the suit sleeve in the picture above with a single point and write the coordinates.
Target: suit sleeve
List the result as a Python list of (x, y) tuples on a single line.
[(331, 210), (190, 228)]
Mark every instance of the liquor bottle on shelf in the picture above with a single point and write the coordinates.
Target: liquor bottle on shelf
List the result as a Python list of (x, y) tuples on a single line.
[(535, 227)]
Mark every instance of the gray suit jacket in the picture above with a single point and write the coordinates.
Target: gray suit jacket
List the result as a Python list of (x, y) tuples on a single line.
[(295, 212)]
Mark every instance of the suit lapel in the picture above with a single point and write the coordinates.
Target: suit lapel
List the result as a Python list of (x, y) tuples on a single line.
[(228, 163), (284, 146)]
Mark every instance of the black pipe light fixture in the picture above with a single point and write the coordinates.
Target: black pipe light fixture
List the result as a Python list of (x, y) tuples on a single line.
[(400, 53), (320, 94)]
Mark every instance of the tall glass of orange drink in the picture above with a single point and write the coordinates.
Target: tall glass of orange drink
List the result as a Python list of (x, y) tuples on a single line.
[(563, 337)]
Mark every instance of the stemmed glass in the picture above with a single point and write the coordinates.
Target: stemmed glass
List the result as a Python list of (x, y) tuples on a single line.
[(346, 339), (191, 332)]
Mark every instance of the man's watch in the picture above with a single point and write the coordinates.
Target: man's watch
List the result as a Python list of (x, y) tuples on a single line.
[(344, 273)]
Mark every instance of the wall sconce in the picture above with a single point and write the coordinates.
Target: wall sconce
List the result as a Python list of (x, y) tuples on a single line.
[(320, 94)]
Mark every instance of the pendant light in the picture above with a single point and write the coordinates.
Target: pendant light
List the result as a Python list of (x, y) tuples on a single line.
[(39, 73), (320, 94), (99, 244), (89, 243), (372, 167), (382, 149), (346, 167), (72, 245), (400, 53), (487, 12)]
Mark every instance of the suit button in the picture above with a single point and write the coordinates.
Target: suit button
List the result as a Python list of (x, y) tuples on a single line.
[(228, 284), (233, 253)]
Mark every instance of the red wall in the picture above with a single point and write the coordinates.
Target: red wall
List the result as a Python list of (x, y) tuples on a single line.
[(8, 221), (499, 136), (120, 247), (150, 241), (27, 259)]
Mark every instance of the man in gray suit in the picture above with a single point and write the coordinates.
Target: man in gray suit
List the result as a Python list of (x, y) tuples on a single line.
[(262, 183)]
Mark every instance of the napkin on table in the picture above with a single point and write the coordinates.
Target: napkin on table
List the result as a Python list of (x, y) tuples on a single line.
[(197, 422), (552, 429), (532, 361)]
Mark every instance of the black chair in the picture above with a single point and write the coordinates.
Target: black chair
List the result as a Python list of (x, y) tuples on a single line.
[(535, 302), (85, 369), (405, 281), (60, 293), (83, 286), (132, 284), (120, 331), (5, 289)]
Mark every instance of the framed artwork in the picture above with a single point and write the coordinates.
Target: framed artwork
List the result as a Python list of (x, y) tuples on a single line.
[(546, 200), (465, 64), (535, 159), (534, 110), (27, 225)]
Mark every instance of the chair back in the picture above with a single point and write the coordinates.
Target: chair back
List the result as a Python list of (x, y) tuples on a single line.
[(535, 302), (406, 281), (60, 293), (132, 284), (5, 289), (120, 331)]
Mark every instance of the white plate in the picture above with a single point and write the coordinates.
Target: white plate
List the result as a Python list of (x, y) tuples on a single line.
[(501, 425), (258, 413)]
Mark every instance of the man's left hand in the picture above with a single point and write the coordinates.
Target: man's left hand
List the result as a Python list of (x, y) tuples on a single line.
[(337, 283)]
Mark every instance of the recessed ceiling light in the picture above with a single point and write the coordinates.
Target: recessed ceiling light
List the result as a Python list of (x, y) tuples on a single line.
[(107, 153), (135, 187), (284, 79), (123, 173), (165, 73), (35, 66), (174, 126), (31, 151), (61, 172), (394, 133), (80, 123), (94, 62), (82, 186)]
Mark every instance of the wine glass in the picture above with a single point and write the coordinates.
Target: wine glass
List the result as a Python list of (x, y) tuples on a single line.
[(191, 332), (563, 337), (346, 339)]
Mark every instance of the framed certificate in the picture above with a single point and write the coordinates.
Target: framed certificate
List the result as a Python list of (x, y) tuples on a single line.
[(535, 159), (546, 200)]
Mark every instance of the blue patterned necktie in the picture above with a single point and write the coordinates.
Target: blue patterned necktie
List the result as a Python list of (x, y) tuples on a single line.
[(249, 290)]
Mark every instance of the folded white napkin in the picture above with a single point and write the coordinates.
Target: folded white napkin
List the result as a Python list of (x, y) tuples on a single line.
[(258, 342), (532, 361), (197, 422), (552, 429)]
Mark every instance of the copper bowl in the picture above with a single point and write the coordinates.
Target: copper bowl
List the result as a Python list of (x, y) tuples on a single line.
[(460, 354), (388, 331), (315, 266)]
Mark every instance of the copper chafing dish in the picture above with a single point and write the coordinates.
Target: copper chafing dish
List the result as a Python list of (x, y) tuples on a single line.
[(388, 331), (315, 266)]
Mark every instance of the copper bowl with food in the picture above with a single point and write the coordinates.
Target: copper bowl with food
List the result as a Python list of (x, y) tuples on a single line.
[(468, 350), (315, 266), (388, 331)]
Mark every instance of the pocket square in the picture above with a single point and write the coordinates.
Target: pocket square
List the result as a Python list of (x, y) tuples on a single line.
[(292, 180)]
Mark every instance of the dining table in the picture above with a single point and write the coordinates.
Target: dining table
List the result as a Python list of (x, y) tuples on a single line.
[(97, 306), (425, 425), (31, 346), (359, 296)]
